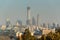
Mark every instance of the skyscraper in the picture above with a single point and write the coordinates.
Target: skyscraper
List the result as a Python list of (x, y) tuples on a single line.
[(7, 22), (28, 13), (44, 25), (19, 22), (58, 25), (28, 16), (33, 21), (37, 19), (53, 25)]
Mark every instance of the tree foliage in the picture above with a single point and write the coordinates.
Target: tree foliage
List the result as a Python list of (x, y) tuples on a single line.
[(27, 35), (50, 36)]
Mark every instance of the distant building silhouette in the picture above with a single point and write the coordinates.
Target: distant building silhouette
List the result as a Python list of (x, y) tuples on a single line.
[(7, 22), (44, 25), (53, 25), (37, 19), (28, 22), (33, 21), (48, 25), (58, 25), (19, 22)]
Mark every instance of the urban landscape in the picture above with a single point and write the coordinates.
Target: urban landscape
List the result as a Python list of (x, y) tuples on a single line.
[(31, 30)]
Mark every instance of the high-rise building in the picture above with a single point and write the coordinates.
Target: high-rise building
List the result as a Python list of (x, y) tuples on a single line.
[(57, 25), (53, 25), (44, 25), (48, 25), (28, 13), (37, 19), (28, 16), (33, 21), (7, 22), (19, 22)]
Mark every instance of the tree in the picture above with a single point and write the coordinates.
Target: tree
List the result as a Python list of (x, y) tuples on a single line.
[(27, 35), (43, 37)]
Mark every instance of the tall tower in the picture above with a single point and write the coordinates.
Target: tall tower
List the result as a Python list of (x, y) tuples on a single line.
[(33, 21), (28, 13), (28, 16), (37, 19)]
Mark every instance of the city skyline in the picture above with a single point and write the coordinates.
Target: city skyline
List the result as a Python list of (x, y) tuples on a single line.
[(17, 10)]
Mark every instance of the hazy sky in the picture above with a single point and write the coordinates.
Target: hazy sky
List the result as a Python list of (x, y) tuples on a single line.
[(49, 10)]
